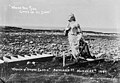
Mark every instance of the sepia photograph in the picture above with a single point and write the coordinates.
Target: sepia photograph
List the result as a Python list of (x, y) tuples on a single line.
[(59, 41)]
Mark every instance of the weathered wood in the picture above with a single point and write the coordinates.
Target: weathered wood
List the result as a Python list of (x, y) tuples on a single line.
[(63, 59)]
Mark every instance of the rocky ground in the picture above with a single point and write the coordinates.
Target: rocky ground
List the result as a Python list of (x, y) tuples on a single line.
[(29, 43)]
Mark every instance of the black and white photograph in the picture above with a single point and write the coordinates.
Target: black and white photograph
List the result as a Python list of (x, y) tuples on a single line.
[(59, 41)]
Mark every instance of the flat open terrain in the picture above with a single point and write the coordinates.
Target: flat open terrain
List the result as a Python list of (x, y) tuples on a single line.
[(21, 43)]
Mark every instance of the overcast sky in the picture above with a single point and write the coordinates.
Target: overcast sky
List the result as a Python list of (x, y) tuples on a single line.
[(96, 15)]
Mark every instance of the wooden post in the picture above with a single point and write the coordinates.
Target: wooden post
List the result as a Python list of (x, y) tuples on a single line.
[(63, 59)]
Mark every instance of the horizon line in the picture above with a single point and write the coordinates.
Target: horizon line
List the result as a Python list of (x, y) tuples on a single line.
[(42, 28)]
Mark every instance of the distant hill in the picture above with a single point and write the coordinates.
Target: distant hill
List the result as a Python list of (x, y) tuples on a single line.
[(9, 28), (19, 29)]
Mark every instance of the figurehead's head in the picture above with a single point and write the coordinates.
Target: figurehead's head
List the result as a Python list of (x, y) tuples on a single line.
[(71, 18)]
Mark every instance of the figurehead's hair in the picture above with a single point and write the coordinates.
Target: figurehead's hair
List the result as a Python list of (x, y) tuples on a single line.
[(72, 18)]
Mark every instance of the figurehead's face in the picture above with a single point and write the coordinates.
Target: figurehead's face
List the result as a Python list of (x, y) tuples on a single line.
[(71, 18)]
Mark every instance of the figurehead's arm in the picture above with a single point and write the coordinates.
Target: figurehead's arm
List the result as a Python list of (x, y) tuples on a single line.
[(67, 29), (81, 32), (79, 29)]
